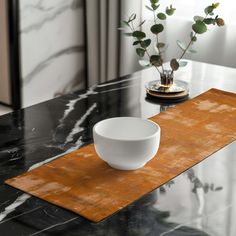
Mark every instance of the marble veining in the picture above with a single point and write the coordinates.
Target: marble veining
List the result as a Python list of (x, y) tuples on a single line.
[(25, 196), (52, 11), (77, 128), (198, 202), (52, 48), (53, 226), (21, 199), (71, 104), (47, 61)]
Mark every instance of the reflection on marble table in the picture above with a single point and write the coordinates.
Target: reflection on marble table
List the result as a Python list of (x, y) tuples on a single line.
[(200, 201)]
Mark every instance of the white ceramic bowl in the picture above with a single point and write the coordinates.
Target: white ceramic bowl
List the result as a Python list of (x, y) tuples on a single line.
[(126, 143)]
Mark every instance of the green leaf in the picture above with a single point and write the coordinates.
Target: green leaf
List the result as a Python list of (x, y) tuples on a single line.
[(209, 10), (209, 21), (139, 34), (149, 8), (136, 42), (125, 23), (161, 16), (183, 63), (199, 27), (218, 188), (181, 45), (163, 49), (154, 6), (140, 51), (145, 43), (170, 10), (128, 34), (160, 45), (194, 38), (191, 51), (174, 64), (144, 63), (154, 1), (156, 60), (141, 23), (196, 18), (132, 17), (215, 5), (157, 28)]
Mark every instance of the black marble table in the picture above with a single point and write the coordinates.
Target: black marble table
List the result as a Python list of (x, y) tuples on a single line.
[(201, 201)]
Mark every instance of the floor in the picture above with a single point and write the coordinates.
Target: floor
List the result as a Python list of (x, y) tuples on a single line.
[(4, 110)]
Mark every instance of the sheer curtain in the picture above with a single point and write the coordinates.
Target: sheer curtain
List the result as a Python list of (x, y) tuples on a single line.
[(102, 21), (109, 54)]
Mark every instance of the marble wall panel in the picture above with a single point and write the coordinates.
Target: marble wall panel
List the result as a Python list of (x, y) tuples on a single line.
[(52, 48)]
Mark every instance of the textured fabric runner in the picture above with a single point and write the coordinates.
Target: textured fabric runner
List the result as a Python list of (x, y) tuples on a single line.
[(84, 184)]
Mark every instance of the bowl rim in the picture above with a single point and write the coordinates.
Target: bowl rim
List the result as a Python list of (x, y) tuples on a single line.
[(131, 139)]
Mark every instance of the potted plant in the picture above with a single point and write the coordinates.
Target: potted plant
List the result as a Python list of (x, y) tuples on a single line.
[(142, 43)]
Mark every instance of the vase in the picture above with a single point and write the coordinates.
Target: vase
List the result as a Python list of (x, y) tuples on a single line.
[(167, 87), (167, 78)]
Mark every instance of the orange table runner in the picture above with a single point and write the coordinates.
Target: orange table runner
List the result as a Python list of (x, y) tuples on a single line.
[(84, 184)]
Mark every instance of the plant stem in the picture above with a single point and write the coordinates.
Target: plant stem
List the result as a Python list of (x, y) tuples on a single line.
[(155, 21), (146, 51), (131, 28), (186, 49), (149, 60), (132, 25), (189, 44)]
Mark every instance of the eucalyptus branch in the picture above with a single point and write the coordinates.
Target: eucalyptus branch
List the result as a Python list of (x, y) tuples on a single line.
[(132, 28), (190, 43), (199, 27), (143, 42), (150, 58), (159, 52)]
